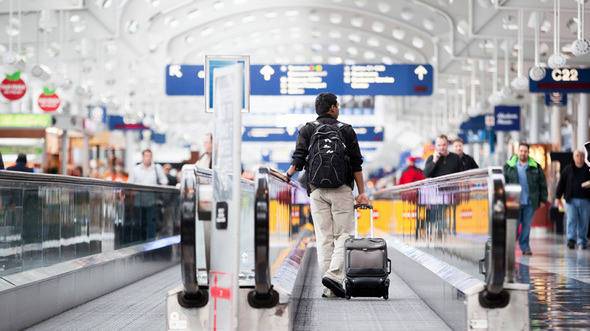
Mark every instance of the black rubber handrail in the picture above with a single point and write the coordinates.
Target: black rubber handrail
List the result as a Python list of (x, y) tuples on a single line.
[(263, 295), (192, 295), (24, 177)]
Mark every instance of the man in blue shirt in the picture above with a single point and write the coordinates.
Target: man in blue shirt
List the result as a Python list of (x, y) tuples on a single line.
[(523, 170)]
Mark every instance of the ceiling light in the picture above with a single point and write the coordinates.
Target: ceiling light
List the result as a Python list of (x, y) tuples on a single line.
[(111, 48), (352, 51), (317, 59), (392, 49), (316, 34), (398, 34), (104, 3), (462, 27), (378, 26), (546, 26), (410, 57), (155, 3), (316, 48), (314, 16), (249, 19), (206, 31), (189, 39), (509, 23), (132, 26), (356, 21), (291, 13), (448, 49), (153, 47), (360, 3), (174, 23), (334, 48), (229, 24), (369, 55), (335, 18), (428, 24), (75, 18), (335, 34), (335, 60), (386, 60), (193, 13), (383, 7), (271, 14), (417, 42), (373, 42), (218, 5), (349, 62), (407, 14), (354, 38)]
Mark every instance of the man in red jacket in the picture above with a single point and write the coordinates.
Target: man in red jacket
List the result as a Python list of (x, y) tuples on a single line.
[(411, 173)]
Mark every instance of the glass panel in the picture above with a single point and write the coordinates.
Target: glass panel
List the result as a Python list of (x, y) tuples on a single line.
[(11, 215)]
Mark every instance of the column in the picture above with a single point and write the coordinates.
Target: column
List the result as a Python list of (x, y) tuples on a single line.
[(500, 152), (556, 127), (130, 148), (582, 122), (534, 116), (64, 152)]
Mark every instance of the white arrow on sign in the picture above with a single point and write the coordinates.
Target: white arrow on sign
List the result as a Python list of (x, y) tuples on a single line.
[(420, 71), (267, 71)]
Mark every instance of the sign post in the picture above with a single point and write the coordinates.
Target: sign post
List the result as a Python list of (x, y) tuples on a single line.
[(227, 98)]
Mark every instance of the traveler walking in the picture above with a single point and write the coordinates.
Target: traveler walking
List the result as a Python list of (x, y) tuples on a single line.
[(1, 162), (467, 162), (522, 169), (330, 153), (411, 173), (147, 172), (21, 164), (577, 198), (442, 162), (206, 159)]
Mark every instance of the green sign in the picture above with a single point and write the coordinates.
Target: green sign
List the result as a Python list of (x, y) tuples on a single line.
[(9, 150), (25, 120)]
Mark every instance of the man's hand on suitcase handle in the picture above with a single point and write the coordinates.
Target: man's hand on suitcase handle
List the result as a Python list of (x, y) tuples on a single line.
[(362, 199), (362, 206)]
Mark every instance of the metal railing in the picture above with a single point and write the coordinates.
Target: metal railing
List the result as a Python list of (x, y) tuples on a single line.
[(461, 216), (47, 219)]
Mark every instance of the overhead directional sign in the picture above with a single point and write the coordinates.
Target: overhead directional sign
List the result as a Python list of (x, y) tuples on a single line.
[(311, 79), (507, 118), (565, 80), (555, 99)]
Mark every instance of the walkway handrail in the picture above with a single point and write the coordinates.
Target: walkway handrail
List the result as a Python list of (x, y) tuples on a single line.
[(192, 296), (447, 192)]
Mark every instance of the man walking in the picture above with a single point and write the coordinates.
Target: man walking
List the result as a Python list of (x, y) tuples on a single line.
[(147, 172), (577, 197), (467, 162), (523, 170), (442, 162), (330, 153)]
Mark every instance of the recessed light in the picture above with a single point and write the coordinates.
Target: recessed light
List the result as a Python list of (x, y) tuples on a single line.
[(356, 21), (407, 14), (392, 49), (335, 18), (383, 7), (428, 24), (417, 42), (369, 55), (373, 42), (399, 34), (354, 37), (378, 26)]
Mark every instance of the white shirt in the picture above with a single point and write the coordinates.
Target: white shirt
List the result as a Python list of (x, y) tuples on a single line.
[(143, 175)]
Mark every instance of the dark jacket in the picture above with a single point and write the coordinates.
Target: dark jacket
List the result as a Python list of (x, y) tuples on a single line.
[(535, 179), (411, 174), (445, 165), (350, 140), (20, 167), (1, 162), (570, 183), (467, 162)]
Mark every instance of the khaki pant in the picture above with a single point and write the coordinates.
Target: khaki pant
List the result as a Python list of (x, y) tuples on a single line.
[(333, 212)]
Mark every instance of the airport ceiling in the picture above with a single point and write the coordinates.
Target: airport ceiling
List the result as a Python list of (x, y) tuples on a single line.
[(122, 46)]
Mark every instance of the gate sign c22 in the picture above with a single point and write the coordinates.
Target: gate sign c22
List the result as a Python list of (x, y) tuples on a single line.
[(507, 118), (311, 79), (564, 80)]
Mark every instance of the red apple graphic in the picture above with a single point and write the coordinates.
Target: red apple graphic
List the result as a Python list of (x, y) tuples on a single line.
[(48, 100), (12, 87)]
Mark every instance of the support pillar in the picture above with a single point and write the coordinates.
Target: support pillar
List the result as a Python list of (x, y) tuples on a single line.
[(582, 122), (64, 152), (534, 116), (556, 127)]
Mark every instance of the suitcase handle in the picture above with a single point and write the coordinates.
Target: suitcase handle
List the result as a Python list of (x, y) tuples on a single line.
[(388, 266), (363, 206)]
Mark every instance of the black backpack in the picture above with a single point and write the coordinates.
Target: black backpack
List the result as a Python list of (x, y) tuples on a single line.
[(327, 159)]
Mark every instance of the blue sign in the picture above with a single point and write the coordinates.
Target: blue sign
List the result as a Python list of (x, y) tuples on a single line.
[(283, 134), (276, 79), (224, 61), (507, 118), (555, 99), (565, 80)]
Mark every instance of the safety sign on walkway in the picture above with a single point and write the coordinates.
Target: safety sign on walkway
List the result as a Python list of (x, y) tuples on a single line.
[(311, 79), (227, 99)]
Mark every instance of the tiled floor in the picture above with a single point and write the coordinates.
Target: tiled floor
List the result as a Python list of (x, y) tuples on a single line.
[(403, 311), (560, 284), (139, 306)]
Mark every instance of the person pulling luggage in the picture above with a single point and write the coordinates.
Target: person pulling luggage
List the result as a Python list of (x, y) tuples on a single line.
[(330, 153)]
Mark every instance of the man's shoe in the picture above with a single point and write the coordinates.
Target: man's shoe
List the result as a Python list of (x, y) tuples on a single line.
[(571, 244), (334, 286), (529, 253)]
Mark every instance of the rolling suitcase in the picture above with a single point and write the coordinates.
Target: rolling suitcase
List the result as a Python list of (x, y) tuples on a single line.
[(366, 264)]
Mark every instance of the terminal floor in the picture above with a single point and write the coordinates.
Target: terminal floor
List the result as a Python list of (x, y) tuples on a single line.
[(403, 311), (559, 297), (139, 306)]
